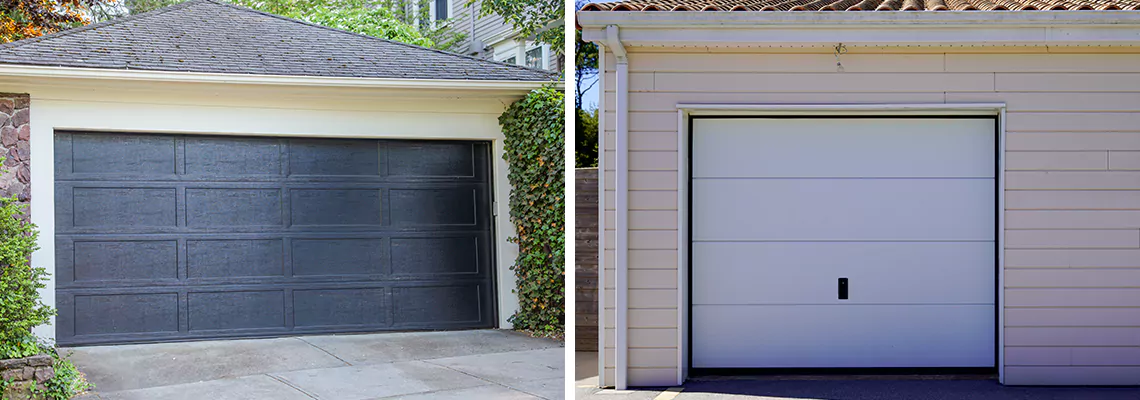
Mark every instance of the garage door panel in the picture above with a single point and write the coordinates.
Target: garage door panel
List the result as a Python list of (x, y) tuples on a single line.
[(339, 256), (335, 206), (144, 260), (877, 272), (233, 207), (423, 159), (122, 153), (843, 209), (831, 148), (341, 307), (235, 258), (419, 306), (334, 157), (236, 310), (102, 314), (434, 206), (437, 256), (224, 156), (270, 236), (843, 336), (108, 207)]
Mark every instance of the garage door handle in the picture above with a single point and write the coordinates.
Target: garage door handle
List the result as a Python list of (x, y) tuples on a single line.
[(842, 288)]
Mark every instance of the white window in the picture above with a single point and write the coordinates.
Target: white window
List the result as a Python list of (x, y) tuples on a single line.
[(511, 61), (440, 10), (535, 59)]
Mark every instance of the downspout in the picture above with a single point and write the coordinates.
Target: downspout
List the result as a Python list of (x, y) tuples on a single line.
[(621, 205)]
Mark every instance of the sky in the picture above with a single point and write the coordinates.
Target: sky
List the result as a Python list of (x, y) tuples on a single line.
[(590, 98)]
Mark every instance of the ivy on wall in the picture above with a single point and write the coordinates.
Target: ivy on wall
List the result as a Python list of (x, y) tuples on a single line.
[(534, 149)]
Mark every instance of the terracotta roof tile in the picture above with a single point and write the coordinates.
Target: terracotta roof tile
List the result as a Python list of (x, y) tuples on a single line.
[(861, 5)]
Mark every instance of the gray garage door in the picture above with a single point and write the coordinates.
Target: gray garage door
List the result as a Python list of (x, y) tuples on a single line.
[(175, 237)]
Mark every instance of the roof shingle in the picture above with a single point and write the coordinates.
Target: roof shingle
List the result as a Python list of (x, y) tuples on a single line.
[(861, 5), (212, 37)]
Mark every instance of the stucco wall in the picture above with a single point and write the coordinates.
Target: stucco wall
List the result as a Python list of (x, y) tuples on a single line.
[(1072, 238)]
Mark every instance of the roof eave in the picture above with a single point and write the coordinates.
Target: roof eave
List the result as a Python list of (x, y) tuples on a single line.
[(47, 72), (934, 28)]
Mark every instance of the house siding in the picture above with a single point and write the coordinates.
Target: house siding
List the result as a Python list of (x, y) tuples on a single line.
[(1072, 197)]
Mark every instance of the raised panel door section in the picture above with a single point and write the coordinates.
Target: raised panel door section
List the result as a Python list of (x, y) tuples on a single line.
[(197, 237)]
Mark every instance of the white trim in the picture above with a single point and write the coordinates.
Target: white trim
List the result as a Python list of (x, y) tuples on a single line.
[(686, 110), (602, 223), (431, 11), (621, 223), (820, 29), (682, 240), (198, 77), (1001, 246), (166, 109)]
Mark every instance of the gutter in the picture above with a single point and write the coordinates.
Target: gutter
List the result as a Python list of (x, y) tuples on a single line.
[(621, 199), (31, 71)]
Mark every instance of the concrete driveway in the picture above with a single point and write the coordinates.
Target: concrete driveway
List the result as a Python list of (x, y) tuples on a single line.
[(438, 365), (837, 388)]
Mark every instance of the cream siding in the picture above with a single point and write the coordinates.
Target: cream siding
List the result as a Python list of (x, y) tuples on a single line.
[(1072, 238)]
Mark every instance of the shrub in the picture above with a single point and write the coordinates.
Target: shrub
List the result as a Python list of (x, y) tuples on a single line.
[(535, 131), (20, 306)]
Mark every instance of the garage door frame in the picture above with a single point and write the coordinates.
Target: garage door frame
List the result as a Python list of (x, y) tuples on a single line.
[(270, 110), (687, 114)]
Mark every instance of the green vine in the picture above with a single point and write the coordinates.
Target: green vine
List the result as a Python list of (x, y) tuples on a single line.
[(535, 131)]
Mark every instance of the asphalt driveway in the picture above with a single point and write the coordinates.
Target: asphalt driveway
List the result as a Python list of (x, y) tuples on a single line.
[(838, 388), (492, 364)]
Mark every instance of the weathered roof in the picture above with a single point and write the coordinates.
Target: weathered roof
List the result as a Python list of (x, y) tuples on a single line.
[(209, 36), (861, 5)]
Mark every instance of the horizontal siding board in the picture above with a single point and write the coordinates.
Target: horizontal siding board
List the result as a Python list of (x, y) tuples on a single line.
[(1057, 141), (644, 180), (667, 101), (647, 160), (1124, 160), (1072, 219), (653, 318), (1072, 200), (638, 82), (1038, 356), (1056, 160), (654, 200), (652, 358), (783, 62), (1072, 375), (653, 279), (1067, 297), (1052, 101), (1074, 278), (1072, 239), (652, 376), (1068, 258), (1038, 63), (652, 337), (1072, 316), (1120, 356), (823, 82), (1072, 121), (653, 220), (1072, 336), (646, 121), (653, 240), (1072, 180), (1067, 82), (653, 298), (653, 259), (645, 141)]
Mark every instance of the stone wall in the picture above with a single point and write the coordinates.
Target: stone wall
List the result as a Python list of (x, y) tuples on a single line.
[(22, 373), (586, 259), (15, 146)]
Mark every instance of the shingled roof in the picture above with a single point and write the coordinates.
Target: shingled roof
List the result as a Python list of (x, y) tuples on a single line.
[(861, 5), (209, 36)]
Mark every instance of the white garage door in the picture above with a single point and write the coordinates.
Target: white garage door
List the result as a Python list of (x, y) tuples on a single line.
[(843, 243)]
